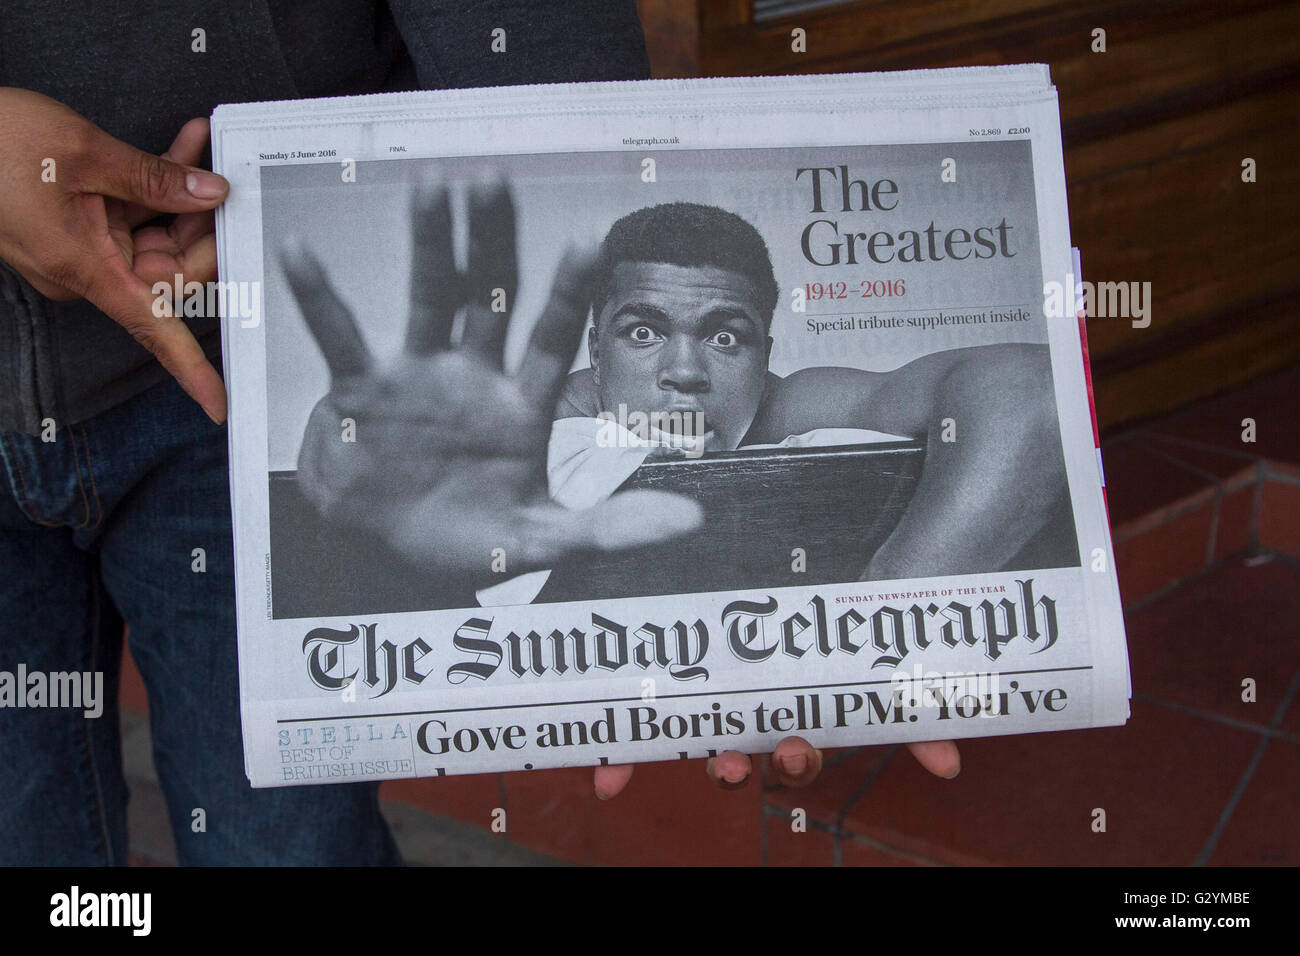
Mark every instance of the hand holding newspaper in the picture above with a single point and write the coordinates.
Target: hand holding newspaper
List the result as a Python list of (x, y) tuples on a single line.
[(823, 464)]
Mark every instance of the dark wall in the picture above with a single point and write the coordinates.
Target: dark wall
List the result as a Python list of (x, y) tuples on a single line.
[(1155, 130)]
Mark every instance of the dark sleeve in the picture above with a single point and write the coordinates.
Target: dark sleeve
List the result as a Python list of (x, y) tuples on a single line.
[(546, 41)]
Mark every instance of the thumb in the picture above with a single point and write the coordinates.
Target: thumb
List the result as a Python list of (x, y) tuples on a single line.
[(629, 519), (120, 170)]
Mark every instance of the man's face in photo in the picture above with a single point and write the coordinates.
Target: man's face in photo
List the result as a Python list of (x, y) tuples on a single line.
[(685, 339)]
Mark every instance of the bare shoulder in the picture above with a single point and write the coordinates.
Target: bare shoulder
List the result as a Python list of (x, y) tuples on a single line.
[(817, 397), (900, 401)]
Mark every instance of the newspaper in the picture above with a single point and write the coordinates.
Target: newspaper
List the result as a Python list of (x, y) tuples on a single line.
[(589, 424)]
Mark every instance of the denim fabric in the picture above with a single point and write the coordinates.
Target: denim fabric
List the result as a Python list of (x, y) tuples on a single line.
[(100, 526)]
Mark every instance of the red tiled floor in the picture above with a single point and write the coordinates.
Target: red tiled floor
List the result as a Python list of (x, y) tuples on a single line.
[(895, 848), (1163, 779), (469, 799), (1196, 647), (1262, 829), (1270, 401), (1281, 469), (1291, 719), (1164, 554), (1140, 484), (1233, 468), (1279, 517), (671, 814), (843, 774), (786, 847), (1236, 514), (853, 852)]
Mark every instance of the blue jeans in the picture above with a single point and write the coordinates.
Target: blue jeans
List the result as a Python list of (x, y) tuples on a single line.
[(100, 526)]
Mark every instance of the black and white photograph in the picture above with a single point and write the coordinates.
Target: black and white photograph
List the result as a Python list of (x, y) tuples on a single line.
[(546, 378)]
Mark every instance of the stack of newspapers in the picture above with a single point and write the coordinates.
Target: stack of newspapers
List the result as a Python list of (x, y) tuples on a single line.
[(600, 423)]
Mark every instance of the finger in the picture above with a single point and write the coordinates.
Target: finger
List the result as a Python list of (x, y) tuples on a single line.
[(126, 299), (119, 230), (492, 275), (115, 168), (173, 240), (186, 149), (186, 228), (555, 338), (435, 285), (329, 320), (940, 757), (796, 762), (196, 263), (611, 780), (730, 769)]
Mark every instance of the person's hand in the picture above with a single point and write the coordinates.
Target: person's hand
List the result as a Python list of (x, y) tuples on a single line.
[(795, 762), (72, 201), (448, 461)]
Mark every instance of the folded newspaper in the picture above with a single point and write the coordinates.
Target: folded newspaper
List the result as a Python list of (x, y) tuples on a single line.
[(588, 424)]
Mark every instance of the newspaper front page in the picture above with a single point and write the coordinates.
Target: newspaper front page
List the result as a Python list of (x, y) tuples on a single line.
[(603, 423)]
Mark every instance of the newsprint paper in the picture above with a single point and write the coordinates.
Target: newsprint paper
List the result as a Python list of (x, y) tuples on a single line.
[(603, 423)]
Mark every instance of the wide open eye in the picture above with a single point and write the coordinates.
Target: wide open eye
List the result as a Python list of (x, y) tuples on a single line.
[(724, 339), (643, 334)]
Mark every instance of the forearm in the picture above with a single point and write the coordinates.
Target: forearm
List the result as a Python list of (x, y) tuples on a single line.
[(992, 472)]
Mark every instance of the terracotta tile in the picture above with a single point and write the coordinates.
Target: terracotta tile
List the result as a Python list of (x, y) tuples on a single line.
[(1164, 554), (1163, 780), (786, 847), (1279, 517), (1270, 401), (855, 853), (1263, 829), (470, 798), (1281, 469), (900, 850), (1142, 486), (1236, 514), (1195, 646), (1291, 719), (132, 694), (669, 815), (1233, 469), (843, 775)]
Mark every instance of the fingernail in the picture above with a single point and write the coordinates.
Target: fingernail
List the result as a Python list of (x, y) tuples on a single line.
[(601, 796), (794, 764), (205, 185)]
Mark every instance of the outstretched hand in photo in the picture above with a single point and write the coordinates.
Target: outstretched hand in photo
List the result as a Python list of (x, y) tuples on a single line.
[(448, 466)]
